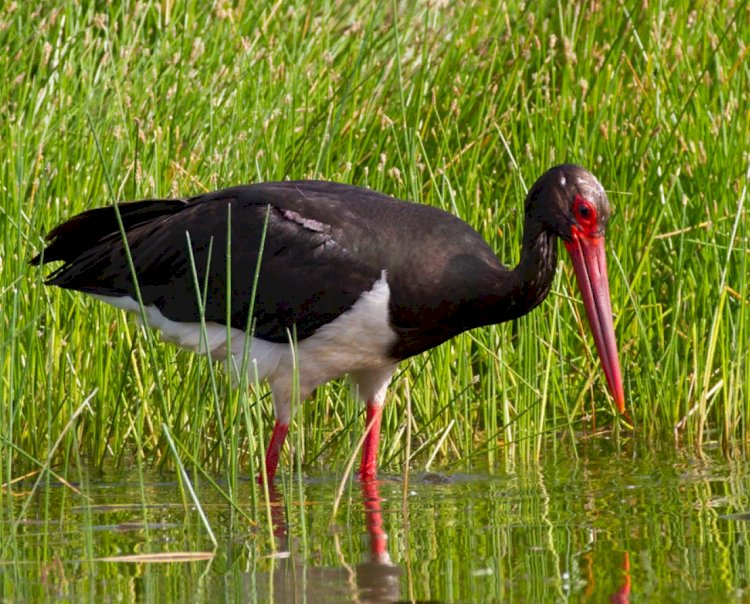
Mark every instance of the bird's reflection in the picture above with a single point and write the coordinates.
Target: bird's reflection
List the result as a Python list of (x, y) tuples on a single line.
[(278, 518), (378, 578), (622, 595), (375, 579)]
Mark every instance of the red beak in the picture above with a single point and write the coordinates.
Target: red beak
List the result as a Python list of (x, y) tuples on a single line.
[(590, 265)]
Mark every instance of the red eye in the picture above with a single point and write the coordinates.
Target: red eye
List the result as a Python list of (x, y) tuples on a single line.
[(585, 213)]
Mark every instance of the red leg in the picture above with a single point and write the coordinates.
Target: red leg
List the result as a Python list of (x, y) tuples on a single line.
[(274, 450), (369, 468)]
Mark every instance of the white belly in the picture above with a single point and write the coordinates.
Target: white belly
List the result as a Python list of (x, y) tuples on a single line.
[(356, 343)]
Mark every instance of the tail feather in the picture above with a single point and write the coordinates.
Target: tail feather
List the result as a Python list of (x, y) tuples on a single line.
[(86, 230)]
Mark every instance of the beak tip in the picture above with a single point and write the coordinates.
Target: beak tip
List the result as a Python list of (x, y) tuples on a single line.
[(619, 396)]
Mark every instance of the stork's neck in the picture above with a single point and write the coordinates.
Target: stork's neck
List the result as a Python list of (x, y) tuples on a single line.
[(532, 277)]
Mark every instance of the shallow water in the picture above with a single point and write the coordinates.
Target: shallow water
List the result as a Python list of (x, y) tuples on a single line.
[(614, 525)]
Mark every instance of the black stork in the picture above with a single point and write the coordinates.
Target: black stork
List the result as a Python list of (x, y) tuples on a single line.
[(359, 280)]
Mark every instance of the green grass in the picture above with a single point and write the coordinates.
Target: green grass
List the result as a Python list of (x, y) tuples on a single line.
[(459, 105)]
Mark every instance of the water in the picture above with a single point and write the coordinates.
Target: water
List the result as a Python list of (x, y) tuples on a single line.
[(619, 525)]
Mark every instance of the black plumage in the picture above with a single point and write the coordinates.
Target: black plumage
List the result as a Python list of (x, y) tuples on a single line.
[(325, 243)]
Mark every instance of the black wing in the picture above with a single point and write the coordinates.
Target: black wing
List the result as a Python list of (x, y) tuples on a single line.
[(312, 268)]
